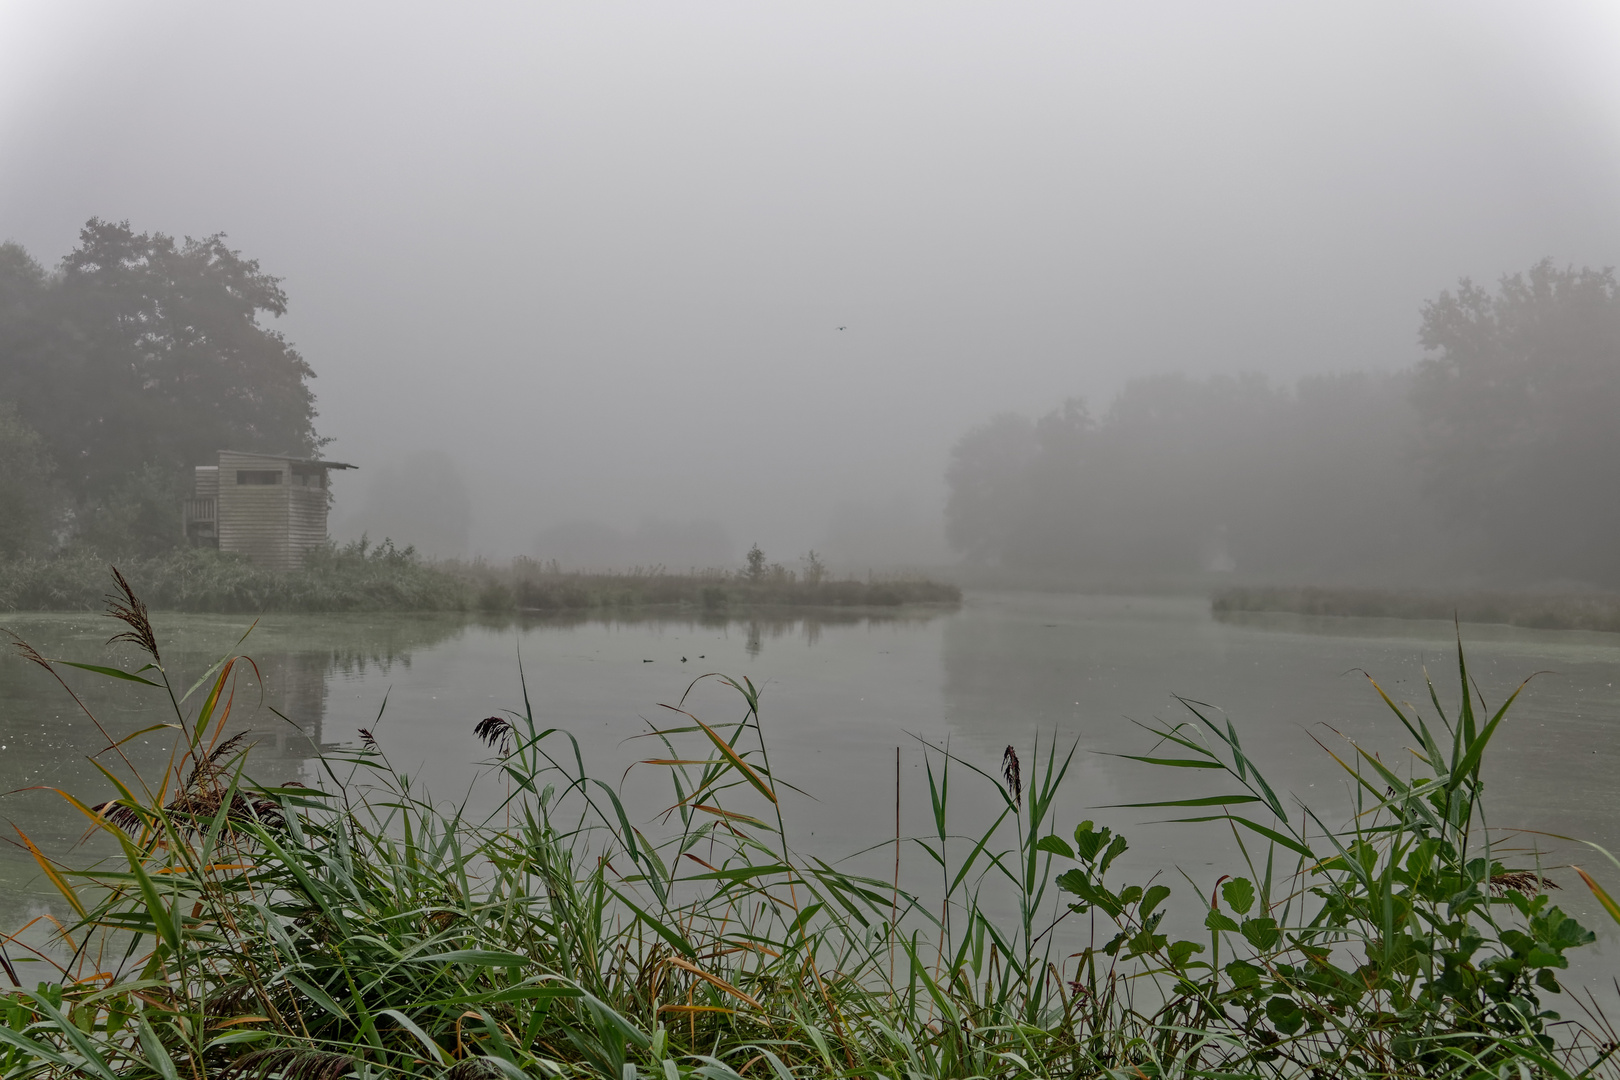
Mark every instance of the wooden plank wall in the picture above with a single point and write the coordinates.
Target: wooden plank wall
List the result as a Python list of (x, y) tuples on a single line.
[(253, 517), (275, 525), (306, 516)]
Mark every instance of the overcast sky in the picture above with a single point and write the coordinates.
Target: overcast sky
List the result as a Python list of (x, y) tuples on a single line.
[(600, 253)]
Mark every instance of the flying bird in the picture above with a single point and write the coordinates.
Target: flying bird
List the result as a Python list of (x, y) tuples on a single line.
[(843, 328)]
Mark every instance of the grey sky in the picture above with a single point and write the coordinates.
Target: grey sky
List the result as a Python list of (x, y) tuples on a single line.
[(599, 253)]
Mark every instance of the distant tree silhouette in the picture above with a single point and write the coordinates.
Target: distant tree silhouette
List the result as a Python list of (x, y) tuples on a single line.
[(1520, 404)]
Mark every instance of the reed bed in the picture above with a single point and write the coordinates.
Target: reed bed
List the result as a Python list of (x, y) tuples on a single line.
[(364, 577), (529, 585), (356, 577), (353, 928)]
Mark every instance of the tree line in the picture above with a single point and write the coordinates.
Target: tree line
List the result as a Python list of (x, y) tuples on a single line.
[(1495, 457), (137, 357)]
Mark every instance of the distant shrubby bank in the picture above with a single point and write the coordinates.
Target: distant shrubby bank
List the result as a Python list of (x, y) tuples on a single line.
[(1496, 458)]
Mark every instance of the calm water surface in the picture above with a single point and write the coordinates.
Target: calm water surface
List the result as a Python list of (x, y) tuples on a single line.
[(840, 696)]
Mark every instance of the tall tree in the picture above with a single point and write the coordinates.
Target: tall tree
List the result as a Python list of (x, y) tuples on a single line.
[(988, 482), (1185, 475), (1520, 404), (144, 351), (28, 499)]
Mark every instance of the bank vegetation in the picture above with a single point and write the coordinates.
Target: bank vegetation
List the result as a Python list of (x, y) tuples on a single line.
[(1540, 611), (361, 576)]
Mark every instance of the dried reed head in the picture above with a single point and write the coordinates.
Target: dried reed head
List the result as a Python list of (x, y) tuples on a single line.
[(200, 798), (129, 609), (292, 1064), (496, 731), (29, 653), (1010, 772), (1525, 882)]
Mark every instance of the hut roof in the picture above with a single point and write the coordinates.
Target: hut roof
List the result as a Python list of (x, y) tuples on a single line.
[(321, 462)]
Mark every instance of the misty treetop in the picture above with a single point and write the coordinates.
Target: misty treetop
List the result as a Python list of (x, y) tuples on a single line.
[(1520, 405), (1497, 456), (1182, 475), (139, 357)]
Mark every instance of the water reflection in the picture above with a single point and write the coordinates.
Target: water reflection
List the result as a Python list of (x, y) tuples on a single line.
[(757, 627), (278, 696), (841, 691), (281, 694)]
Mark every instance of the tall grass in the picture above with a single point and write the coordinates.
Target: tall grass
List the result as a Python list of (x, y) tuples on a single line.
[(356, 929)]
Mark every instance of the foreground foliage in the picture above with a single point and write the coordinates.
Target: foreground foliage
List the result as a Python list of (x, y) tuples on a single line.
[(355, 929)]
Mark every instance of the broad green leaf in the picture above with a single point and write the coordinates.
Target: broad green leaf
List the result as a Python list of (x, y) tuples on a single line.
[(1261, 932), (668, 933), (319, 997), (156, 1055), (741, 873), (1207, 800), (1056, 845), (476, 957), (110, 672), (1152, 899), (1270, 834), (433, 1048), (1239, 895), (1174, 763), (162, 917)]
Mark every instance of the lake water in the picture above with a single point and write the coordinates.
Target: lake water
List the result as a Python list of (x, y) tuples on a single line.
[(840, 695)]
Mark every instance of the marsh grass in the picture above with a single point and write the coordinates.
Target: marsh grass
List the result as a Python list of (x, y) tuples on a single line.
[(532, 586), (354, 928), (355, 577), (1539, 611), (360, 576)]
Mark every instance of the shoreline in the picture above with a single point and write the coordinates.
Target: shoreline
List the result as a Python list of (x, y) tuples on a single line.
[(1528, 611), (201, 581)]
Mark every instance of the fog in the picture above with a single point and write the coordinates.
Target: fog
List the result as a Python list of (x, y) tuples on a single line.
[(574, 276)]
